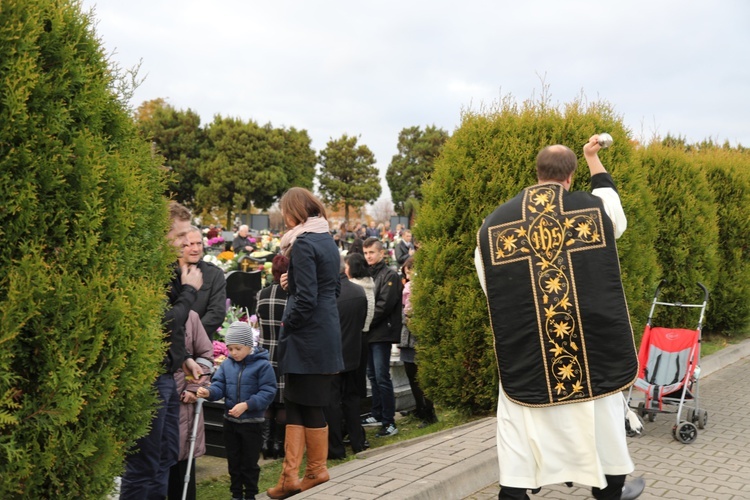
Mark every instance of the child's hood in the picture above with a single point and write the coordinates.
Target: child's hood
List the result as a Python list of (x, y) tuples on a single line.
[(258, 354)]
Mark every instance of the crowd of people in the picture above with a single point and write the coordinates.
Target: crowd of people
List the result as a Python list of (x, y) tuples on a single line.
[(339, 302), (285, 394)]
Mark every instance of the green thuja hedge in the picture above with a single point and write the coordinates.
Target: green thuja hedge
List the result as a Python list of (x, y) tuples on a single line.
[(688, 237), (728, 175), (487, 161), (83, 259)]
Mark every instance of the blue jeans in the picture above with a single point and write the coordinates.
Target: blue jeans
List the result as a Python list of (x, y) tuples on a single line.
[(379, 373), (147, 470)]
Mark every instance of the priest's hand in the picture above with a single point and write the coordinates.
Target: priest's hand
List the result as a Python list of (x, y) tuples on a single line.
[(590, 150)]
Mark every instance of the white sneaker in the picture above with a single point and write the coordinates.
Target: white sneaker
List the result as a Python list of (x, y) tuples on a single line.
[(387, 431), (371, 422)]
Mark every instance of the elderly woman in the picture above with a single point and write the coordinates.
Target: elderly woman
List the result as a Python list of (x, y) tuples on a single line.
[(310, 339)]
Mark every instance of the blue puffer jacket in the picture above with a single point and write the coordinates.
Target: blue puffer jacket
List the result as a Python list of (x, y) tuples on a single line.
[(252, 381)]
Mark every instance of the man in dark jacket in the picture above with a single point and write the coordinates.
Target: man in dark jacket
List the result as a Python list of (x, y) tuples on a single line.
[(404, 248), (344, 403), (211, 303), (385, 330), (147, 469)]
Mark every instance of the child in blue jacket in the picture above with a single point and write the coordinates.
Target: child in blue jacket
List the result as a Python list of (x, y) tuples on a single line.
[(247, 383)]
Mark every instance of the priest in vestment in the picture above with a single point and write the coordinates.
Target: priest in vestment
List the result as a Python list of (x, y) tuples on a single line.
[(548, 264)]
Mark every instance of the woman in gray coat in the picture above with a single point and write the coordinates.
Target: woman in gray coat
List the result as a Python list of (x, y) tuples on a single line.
[(310, 338)]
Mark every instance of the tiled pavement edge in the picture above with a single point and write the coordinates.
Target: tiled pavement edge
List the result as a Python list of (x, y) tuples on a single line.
[(462, 463), (448, 464)]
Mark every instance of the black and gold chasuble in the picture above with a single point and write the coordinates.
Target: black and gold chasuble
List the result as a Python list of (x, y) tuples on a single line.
[(557, 306)]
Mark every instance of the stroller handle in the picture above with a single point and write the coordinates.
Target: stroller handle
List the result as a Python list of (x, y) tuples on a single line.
[(658, 288), (678, 304), (705, 291), (664, 281)]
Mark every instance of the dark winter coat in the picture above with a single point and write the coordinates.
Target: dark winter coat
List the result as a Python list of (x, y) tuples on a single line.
[(181, 298), (310, 339), (402, 252), (352, 305), (386, 321), (211, 304)]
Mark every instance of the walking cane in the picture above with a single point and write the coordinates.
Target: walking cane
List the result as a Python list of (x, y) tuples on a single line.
[(198, 406)]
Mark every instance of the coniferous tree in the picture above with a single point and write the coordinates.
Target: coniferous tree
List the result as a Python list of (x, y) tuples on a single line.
[(417, 151), (728, 175), (84, 263), (687, 240), (348, 174), (176, 135)]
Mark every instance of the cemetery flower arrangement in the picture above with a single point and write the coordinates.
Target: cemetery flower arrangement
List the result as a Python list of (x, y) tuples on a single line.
[(215, 241), (234, 313), (268, 242), (220, 352), (226, 266)]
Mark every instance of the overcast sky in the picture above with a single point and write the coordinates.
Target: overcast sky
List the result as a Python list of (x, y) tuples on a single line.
[(370, 69)]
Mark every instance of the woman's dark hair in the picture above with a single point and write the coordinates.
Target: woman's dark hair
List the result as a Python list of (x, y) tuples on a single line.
[(356, 247), (408, 263), (279, 267), (357, 266), (298, 204)]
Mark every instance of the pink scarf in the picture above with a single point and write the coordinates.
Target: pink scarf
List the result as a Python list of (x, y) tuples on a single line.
[(311, 225)]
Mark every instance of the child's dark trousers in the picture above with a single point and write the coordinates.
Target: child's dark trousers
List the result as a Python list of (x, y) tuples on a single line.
[(243, 442)]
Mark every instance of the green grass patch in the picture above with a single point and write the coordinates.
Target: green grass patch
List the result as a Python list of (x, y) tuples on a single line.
[(711, 343), (408, 428)]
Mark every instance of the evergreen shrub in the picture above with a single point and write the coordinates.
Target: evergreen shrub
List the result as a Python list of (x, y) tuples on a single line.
[(487, 161), (83, 262), (687, 242), (728, 175)]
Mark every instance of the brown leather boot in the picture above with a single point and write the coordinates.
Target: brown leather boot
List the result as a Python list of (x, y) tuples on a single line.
[(294, 448), (316, 471)]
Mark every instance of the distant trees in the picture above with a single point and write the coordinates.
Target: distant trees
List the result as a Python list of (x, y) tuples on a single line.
[(247, 165), (417, 151), (229, 164), (348, 174), (177, 135), (234, 165)]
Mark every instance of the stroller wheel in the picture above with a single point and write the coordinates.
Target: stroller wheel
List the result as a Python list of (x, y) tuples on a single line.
[(651, 416), (702, 418), (691, 416), (685, 433), (642, 409)]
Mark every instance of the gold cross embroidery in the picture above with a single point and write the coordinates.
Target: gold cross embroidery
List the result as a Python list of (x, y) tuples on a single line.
[(545, 237)]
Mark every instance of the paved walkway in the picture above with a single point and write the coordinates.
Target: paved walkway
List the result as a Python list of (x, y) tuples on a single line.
[(715, 466), (461, 463)]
